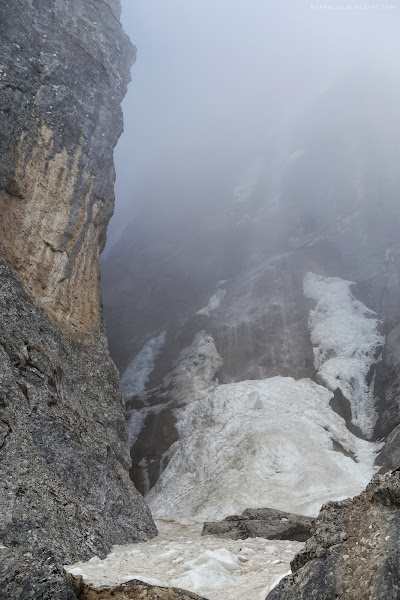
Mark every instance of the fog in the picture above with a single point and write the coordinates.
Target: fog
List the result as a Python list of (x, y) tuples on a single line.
[(219, 83)]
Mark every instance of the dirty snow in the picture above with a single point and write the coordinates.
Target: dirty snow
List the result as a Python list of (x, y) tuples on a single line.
[(216, 568), (345, 336), (271, 442)]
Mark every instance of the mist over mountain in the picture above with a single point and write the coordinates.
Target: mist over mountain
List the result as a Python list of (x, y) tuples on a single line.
[(252, 279)]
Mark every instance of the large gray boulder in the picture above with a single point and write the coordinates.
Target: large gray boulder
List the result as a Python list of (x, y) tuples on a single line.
[(262, 522)]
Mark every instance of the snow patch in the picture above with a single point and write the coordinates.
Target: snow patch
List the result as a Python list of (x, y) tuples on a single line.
[(212, 570), (259, 443), (192, 374), (213, 304), (344, 333), (134, 379)]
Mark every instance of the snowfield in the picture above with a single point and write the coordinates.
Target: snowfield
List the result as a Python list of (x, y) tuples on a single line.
[(346, 340), (216, 568), (134, 379), (273, 443)]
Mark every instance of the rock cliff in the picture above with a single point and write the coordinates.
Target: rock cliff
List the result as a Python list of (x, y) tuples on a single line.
[(64, 460), (64, 71)]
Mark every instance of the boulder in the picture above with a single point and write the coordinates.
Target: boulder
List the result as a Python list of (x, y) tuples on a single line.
[(131, 590), (262, 522)]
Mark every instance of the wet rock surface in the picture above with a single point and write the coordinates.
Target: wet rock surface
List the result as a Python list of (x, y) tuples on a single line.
[(264, 523), (353, 553)]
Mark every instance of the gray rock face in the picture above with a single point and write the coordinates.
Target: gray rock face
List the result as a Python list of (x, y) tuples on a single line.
[(387, 391), (353, 553), (24, 576), (64, 455), (262, 522), (64, 461)]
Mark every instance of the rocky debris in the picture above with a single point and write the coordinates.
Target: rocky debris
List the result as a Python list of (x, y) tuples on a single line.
[(353, 553), (262, 522), (131, 590), (27, 576)]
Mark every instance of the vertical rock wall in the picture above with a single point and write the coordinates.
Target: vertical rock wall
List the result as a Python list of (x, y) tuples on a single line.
[(63, 73), (64, 485)]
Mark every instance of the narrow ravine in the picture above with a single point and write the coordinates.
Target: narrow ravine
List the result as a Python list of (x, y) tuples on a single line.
[(219, 569)]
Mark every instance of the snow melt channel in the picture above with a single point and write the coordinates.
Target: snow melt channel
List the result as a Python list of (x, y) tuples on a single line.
[(344, 333)]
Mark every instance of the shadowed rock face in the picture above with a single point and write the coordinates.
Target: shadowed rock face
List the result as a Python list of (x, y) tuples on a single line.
[(353, 553), (64, 72), (262, 522), (64, 460)]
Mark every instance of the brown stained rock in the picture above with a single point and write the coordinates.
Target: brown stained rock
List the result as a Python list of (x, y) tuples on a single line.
[(135, 590), (32, 229), (65, 70)]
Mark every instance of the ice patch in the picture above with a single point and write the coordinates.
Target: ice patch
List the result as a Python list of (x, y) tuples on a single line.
[(134, 379), (259, 443), (212, 570), (192, 374), (213, 304), (344, 333)]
